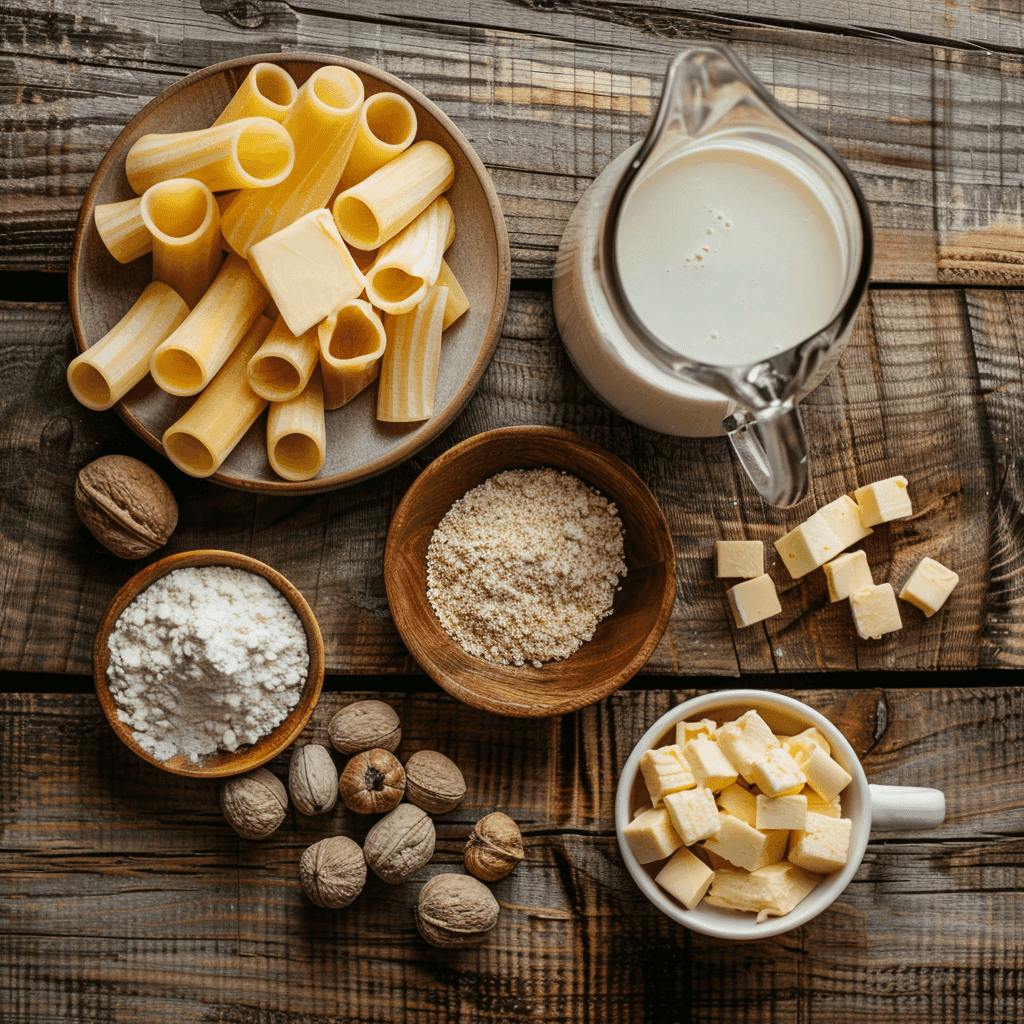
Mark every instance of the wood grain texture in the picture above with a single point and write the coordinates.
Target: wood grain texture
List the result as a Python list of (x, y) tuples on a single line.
[(926, 102), (125, 895), (928, 387)]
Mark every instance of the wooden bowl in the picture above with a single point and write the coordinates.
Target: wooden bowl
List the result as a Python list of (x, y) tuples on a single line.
[(223, 762), (101, 290), (621, 644)]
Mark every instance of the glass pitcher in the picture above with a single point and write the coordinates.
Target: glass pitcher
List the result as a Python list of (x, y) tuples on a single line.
[(651, 293)]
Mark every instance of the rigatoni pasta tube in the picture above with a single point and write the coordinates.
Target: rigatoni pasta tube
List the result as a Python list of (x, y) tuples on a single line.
[(408, 265), (187, 361), (375, 210), (408, 371), (297, 433), (253, 153), (105, 372), (283, 365), (322, 122), (122, 230), (352, 341), (386, 127), (457, 303), (184, 220), (223, 201), (217, 420), (268, 91)]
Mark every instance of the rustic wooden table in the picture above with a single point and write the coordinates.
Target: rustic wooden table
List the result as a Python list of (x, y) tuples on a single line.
[(123, 894)]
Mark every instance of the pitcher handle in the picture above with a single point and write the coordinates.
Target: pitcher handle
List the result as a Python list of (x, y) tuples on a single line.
[(772, 448), (906, 807)]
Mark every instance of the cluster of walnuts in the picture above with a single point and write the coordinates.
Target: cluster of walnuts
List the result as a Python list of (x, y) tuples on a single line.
[(453, 909)]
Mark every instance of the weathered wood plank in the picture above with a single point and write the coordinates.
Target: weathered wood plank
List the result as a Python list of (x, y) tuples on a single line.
[(124, 894), (929, 387), (549, 93)]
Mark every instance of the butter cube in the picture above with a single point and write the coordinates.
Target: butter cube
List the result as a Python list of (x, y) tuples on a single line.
[(686, 731), (773, 890), (844, 516), (710, 767), (822, 845), (809, 736), (738, 802), (745, 740), (776, 773), (884, 500), (929, 586), (686, 877), (693, 813), (809, 545), (665, 772), (784, 812), (824, 775), (651, 836), (743, 558), (745, 846), (753, 601), (847, 574), (307, 269), (875, 612), (830, 808)]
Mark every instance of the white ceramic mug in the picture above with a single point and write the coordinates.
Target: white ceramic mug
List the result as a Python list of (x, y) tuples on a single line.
[(867, 805)]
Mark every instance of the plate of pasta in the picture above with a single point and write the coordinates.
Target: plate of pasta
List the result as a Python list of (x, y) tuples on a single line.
[(290, 273)]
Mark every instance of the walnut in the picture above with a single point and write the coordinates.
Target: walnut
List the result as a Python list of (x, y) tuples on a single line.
[(365, 725), (455, 910), (333, 872), (400, 843), (126, 505), (254, 804), (433, 782), (373, 782), (313, 779), (494, 847)]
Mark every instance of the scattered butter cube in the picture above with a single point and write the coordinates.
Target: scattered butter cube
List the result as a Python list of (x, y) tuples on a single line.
[(745, 846), (808, 545), (776, 773), (753, 601), (744, 740), (822, 845), (844, 516), (830, 808), (773, 890), (686, 731), (665, 772), (825, 776), (710, 767), (693, 813), (847, 574), (884, 500), (651, 836), (743, 558), (929, 586), (803, 739), (738, 802), (307, 269), (875, 612), (785, 812), (686, 877)]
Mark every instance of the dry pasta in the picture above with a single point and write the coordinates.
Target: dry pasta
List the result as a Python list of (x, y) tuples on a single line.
[(284, 363), (457, 303), (352, 341), (297, 433), (207, 433), (105, 372), (386, 127), (122, 230), (268, 91)]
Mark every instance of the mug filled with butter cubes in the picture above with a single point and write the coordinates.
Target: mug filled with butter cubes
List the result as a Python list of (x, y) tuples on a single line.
[(743, 814)]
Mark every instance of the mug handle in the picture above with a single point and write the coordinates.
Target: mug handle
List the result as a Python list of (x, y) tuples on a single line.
[(906, 807), (772, 448)]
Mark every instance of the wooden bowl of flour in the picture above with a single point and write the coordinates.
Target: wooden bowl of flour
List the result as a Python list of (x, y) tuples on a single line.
[(621, 643), (223, 762)]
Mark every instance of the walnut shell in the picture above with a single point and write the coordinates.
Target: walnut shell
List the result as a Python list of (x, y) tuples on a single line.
[(373, 782), (455, 910), (254, 804), (365, 725), (494, 847), (126, 505), (333, 872), (313, 779), (400, 843), (433, 781)]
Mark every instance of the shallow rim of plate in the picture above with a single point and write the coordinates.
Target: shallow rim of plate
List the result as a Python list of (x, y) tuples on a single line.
[(436, 425)]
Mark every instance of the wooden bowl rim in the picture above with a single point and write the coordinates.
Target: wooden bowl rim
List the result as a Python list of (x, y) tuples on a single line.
[(436, 425), (398, 602), (273, 743)]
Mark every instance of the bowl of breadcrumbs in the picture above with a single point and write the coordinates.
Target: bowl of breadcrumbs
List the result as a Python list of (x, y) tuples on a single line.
[(529, 571)]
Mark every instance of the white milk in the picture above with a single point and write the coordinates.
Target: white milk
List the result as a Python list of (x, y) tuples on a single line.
[(728, 255)]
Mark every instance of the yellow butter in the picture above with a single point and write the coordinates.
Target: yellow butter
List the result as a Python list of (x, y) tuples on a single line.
[(773, 890), (884, 500), (710, 767), (743, 558), (929, 586), (875, 612), (782, 812), (847, 574), (664, 772), (693, 813), (753, 601), (651, 837), (822, 845), (745, 846), (776, 773), (686, 877), (739, 802), (844, 516), (808, 545)]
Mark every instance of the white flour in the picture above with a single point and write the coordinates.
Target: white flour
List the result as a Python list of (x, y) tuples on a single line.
[(204, 659)]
